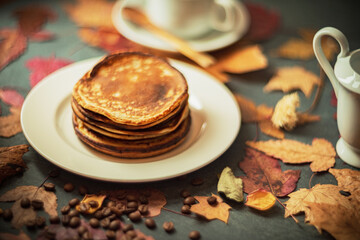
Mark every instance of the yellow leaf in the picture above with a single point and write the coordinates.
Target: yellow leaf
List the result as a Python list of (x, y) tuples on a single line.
[(92, 197), (261, 200)]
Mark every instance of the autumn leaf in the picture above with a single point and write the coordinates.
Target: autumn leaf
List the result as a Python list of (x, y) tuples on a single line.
[(265, 172), (110, 41), (219, 211), (269, 129), (230, 185), (40, 67), (11, 159), (91, 13), (292, 78), (348, 180), (252, 113), (263, 22), (42, 36), (61, 232), (32, 18), (156, 199), (12, 45), (92, 197), (11, 97), (321, 154), (10, 124), (22, 215), (260, 199), (10, 236), (285, 115)]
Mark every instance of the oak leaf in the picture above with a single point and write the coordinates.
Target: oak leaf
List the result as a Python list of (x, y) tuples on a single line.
[(321, 154), (12, 45), (265, 172), (292, 78), (156, 199), (260, 199), (40, 67), (230, 185), (219, 211), (10, 124), (11, 159), (91, 13), (22, 215)]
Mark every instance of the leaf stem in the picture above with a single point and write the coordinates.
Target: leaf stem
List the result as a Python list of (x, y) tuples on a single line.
[(311, 179), (172, 211), (318, 92)]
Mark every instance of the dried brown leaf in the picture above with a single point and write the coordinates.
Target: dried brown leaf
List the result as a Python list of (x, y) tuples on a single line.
[(12, 45), (10, 236), (11, 159), (10, 124)]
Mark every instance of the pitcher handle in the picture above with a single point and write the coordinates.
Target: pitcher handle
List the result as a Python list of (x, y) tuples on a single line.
[(319, 53)]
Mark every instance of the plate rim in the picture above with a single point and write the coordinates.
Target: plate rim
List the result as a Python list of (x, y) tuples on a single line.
[(177, 64), (120, 24)]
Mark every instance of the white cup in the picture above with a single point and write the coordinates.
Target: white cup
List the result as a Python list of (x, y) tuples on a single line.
[(191, 18)]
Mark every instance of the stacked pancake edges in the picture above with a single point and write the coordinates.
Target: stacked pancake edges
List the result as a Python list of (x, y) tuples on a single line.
[(131, 105)]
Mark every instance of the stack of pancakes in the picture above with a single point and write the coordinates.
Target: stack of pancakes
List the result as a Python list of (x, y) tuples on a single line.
[(131, 105)]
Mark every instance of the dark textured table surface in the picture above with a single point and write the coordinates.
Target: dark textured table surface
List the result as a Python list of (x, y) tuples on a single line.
[(244, 222)]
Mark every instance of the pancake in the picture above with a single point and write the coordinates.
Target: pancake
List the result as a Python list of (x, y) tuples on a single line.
[(132, 149), (133, 89)]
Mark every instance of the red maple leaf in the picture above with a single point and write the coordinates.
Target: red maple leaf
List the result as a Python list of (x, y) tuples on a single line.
[(41, 67), (11, 97), (265, 172)]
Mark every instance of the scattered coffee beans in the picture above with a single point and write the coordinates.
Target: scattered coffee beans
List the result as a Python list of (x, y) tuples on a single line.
[(65, 209), (143, 199), (93, 204), (25, 203), (212, 200), (127, 227), (54, 173), (105, 223), (197, 181), (131, 198), (49, 187), (135, 216), (69, 187), (84, 207), (74, 222), (189, 200), (87, 235), (74, 213), (94, 222), (73, 202), (185, 209), (37, 204), (168, 227), (114, 225), (81, 230), (30, 224), (106, 212), (194, 235), (110, 234), (83, 190), (132, 204), (150, 223), (111, 204), (143, 209), (65, 220), (185, 193), (54, 219), (40, 221)]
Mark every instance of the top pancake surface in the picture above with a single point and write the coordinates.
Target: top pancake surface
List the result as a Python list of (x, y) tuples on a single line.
[(131, 88)]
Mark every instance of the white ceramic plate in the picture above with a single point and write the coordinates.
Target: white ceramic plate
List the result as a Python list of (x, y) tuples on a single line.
[(209, 42), (47, 125)]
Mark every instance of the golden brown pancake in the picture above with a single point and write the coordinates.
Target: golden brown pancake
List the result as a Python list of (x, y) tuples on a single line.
[(133, 89), (132, 149)]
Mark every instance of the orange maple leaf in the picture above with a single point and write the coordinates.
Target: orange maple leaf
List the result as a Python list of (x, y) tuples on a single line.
[(210, 212), (91, 13), (348, 180), (260, 199), (321, 153), (292, 78)]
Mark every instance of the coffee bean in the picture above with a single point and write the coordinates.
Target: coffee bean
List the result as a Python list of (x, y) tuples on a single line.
[(50, 234), (74, 213), (65, 209), (112, 217), (197, 181), (105, 223), (168, 227), (185, 209), (127, 227), (65, 220), (135, 216), (54, 173), (31, 224), (194, 235), (40, 221), (54, 219), (111, 204), (73, 202), (106, 212), (110, 234), (98, 214), (189, 200), (132, 204), (212, 200), (74, 222), (37, 204), (121, 195), (185, 193), (118, 212), (150, 223), (8, 214), (143, 209), (81, 230), (93, 204), (94, 222), (114, 225), (49, 186), (83, 190), (143, 199), (25, 202), (131, 234), (69, 187), (87, 236), (84, 207), (131, 198)]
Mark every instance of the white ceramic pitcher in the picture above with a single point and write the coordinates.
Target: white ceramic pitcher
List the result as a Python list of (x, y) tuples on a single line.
[(345, 79)]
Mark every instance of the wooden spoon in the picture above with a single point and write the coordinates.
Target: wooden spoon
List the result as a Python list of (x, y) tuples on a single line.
[(136, 16)]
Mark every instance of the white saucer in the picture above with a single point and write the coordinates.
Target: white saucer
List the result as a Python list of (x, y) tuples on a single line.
[(46, 123), (209, 42)]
